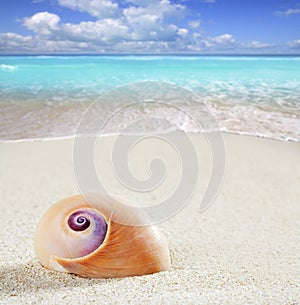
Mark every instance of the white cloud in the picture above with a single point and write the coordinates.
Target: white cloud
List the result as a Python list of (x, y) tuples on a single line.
[(221, 42), (151, 20), (56, 46), (161, 9), (101, 31), (296, 41), (295, 44), (150, 26), (194, 24), (142, 23), (224, 43), (223, 39), (48, 26), (15, 37), (182, 32), (97, 8), (140, 27), (288, 12), (14, 41), (42, 23), (79, 39), (257, 45)]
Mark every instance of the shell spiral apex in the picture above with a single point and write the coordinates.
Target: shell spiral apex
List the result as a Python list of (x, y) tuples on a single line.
[(83, 238)]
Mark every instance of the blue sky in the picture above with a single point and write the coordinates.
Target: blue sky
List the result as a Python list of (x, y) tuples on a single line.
[(150, 26)]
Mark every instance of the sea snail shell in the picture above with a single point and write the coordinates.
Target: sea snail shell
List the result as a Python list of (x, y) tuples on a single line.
[(78, 237)]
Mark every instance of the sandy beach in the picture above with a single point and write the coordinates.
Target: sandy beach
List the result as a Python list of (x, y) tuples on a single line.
[(243, 250)]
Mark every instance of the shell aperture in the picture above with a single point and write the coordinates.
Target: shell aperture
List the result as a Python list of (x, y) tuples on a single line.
[(78, 237)]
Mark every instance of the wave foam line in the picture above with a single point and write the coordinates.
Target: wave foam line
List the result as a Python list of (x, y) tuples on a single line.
[(223, 130), (4, 67)]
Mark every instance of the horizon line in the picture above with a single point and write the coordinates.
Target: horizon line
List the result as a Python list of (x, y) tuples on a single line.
[(150, 54)]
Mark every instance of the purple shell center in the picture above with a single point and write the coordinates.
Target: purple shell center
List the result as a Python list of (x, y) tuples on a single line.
[(80, 221)]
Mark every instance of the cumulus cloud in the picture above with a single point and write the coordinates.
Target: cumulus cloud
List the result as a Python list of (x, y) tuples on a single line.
[(96, 8), (141, 21), (163, 8), (79, 39), (42, 23), (11, 41), (152, 20), (224, 43), (224, 39), (48, 25), (14, 43), (137, 26), (221, 42), (101, 31)]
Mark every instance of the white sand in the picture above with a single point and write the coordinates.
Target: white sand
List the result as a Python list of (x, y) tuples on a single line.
[(243, 250)]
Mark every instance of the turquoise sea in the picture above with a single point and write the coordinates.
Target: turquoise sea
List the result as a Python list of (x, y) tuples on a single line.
[(45, 96)]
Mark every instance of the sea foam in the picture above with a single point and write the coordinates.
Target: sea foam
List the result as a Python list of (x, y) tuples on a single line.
[(4, 67)]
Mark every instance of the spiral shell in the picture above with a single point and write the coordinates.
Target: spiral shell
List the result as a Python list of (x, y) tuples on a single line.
[(84, 238)]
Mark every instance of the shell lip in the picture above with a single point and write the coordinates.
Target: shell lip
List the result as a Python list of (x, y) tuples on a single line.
[(55, 265)]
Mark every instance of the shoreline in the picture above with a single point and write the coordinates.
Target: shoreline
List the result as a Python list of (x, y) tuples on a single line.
[(223, 132)]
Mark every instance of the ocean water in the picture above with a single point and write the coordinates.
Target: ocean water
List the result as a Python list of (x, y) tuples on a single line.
[(46, 96)]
